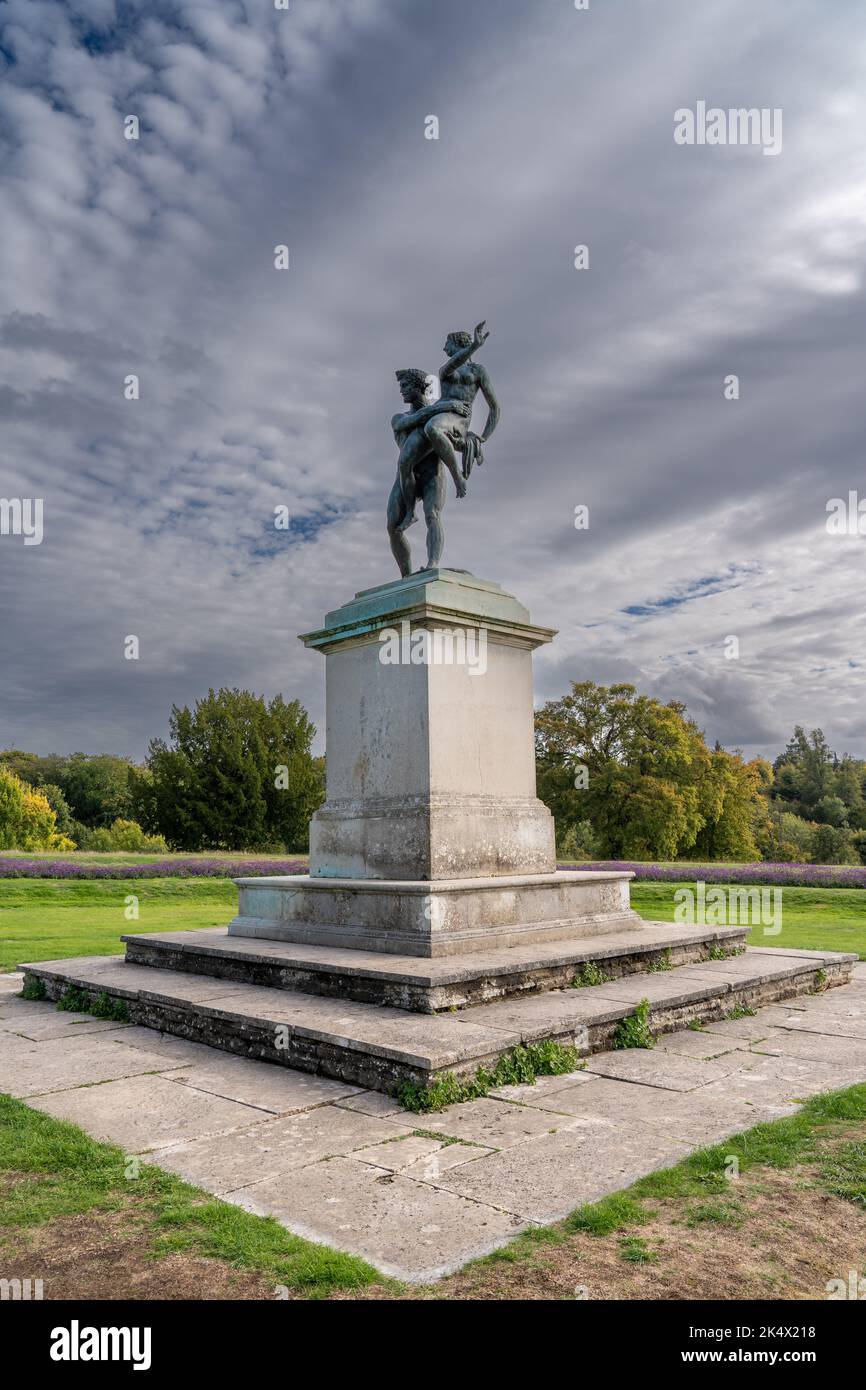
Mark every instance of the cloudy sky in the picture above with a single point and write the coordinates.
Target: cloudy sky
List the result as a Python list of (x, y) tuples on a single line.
[(262, 388)]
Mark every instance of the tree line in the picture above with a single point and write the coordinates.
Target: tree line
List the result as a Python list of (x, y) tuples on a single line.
[(628, 777), (625, 776)]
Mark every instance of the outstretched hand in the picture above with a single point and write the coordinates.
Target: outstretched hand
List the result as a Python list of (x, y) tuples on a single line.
[(479, 337)]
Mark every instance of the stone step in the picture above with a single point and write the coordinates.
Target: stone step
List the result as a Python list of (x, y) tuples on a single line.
[(424, 984), (380, 1047)]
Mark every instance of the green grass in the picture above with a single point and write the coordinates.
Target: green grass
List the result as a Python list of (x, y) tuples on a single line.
[(67, 1173), (813, 919), (49, 919)]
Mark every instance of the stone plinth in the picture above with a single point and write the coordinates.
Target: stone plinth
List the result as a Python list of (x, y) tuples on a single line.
[(430, 747), (434, 917)]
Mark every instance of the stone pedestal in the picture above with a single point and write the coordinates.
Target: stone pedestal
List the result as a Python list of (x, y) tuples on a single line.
[(430, 747), (432, 840)]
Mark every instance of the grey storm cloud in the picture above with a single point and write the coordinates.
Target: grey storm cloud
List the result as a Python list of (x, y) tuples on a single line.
[(262, 388)]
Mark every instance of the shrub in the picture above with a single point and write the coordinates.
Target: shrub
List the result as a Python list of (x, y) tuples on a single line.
[(123, 835)]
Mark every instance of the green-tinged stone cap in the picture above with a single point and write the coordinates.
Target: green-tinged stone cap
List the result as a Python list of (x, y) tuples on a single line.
[(446, 596)]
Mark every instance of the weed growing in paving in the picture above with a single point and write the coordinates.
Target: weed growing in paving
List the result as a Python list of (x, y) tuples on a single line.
[(34, 988), (73, 1001), (103, 1006), (663, 963), (519, 1067), (741, 1011), (589, 974), (634, 1029), (717, 952)]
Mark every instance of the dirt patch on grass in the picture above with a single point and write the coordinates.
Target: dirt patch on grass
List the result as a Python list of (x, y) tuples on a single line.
[(107, 1255)]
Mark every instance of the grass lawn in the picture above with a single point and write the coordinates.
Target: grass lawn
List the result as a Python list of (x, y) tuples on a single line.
[(57, 1179), (47, 919), (813, 919), (785, 1219)]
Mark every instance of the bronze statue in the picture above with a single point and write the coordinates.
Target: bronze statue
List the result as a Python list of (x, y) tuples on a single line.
[(430, 436)]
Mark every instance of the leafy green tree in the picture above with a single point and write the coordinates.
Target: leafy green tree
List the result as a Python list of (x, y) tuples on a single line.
[(97, 787), (237, 774), (734, 806), (810, 760), (833, 845), (65, 822), (831, 810), (641, 773)]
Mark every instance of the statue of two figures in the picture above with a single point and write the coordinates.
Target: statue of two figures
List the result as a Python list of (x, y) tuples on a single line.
[(433, 436)]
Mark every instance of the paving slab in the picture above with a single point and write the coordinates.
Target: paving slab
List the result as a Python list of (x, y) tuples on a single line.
[(145, 1113), (279, 1147), (374, 1103), (667, 1070), (496, 1124), (690, 1042), (11, 982), (53, 1023), (446, 1156), (165, 1045), (280, 1090), (532, 1017), (766, 1079), (534, 1094), (748, 1030), (818, 1047), (395, 1155), (680, 986), (688, 1115), (832, 1021), (14, 1009), (545, 1178), (852, 1005), (408, 1229), (59, 1064), (117, 973)]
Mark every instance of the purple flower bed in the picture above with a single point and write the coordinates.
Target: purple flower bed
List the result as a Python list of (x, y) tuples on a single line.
[(794, 875), (158, 868)]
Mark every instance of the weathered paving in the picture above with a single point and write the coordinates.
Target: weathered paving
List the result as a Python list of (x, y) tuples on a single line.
[(348, 1166)]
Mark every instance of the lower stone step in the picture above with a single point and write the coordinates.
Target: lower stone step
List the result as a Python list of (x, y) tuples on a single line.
[(425, 985), (381, 1047)]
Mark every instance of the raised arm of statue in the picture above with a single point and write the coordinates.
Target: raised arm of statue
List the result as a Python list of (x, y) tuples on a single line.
[(463, 354)]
